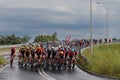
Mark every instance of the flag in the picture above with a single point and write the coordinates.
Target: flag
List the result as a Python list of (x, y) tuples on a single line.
[(68, 38)]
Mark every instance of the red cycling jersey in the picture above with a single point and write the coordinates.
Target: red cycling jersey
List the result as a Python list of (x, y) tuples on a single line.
[(12, 50)]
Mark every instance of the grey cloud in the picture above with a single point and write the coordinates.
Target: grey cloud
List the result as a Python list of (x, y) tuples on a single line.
[(47, 16)]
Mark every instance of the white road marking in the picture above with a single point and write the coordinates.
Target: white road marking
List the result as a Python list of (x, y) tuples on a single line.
[(42, 75), (48, 75)]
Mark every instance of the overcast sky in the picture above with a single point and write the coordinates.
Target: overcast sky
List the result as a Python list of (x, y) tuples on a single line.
[(66, 17)]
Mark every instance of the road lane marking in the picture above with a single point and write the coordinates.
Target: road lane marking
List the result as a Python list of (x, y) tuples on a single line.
[(47, 75), (43, 75)]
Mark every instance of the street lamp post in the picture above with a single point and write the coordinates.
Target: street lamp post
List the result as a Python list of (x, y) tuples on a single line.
[(106, 20), (107, 25), (91, 37)]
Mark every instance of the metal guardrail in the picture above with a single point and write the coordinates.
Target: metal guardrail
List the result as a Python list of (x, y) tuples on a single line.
[(8, 46), (6, 56), (81, 54)]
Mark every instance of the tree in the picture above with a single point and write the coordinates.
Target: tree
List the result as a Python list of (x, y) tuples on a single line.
[(45, 38), (25, 39), (54, 36)]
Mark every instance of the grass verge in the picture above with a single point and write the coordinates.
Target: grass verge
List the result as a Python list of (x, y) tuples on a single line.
[(104, 60), (2, 60), (5, 51)]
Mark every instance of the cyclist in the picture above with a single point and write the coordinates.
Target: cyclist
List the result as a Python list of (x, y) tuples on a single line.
[(66, 52), (33, 52), (71, 54), (54, 52), (42, 50), (28, 52), (12, 55), (38, 51), (61, 54), (13, 51), (75, 53), (49, 52)]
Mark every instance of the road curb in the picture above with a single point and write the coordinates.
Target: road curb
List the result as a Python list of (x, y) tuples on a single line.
[(3, 66), (98, 75), (84, 57)]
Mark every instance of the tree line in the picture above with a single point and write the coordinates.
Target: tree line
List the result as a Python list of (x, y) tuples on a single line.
[(13, 39)]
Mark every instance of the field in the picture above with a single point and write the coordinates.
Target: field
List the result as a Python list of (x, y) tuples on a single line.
[(104, 60)]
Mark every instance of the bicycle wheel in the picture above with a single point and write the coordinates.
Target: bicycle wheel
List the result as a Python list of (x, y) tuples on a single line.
[(11, 62)]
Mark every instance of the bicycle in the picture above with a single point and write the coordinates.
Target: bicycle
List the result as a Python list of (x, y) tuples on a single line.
[(11, 60)]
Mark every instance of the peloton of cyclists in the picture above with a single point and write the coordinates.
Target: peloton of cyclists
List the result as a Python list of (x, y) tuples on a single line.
[(38, 54)]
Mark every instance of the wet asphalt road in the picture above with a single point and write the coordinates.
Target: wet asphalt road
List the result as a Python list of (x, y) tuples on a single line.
[(77, 74), (16, 73)]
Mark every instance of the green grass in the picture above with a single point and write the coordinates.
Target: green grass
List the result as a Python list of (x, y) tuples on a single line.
[(104, 60), (2, 60)]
